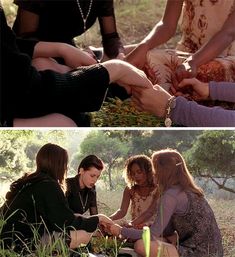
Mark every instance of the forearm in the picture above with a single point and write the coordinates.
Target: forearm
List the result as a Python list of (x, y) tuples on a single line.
[(166, 27), (142, 218), (223, 91), (189, 113), (119, 214), (215, 46), (112, 45), (159, 35)]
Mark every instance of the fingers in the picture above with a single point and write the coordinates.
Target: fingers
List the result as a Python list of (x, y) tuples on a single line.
[(187, 82)]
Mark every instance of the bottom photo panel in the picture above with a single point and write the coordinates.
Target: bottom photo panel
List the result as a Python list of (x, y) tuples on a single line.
[(125, 193)]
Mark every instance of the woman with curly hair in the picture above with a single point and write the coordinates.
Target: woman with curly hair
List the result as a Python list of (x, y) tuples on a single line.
[(139, 192)]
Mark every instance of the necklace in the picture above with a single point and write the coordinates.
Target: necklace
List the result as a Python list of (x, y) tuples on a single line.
[(82, 203), (82, 14)]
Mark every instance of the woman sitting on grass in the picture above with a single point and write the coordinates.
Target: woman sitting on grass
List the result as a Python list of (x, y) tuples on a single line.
[(81, 191), (206, 49), (139, 192), (46, 98), (36, 207), (183, 208)]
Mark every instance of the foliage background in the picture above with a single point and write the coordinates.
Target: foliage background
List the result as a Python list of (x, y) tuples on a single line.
[(210, 155)]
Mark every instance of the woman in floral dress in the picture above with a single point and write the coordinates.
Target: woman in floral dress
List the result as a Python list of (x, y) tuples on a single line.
[(139, 193), (206, 49)]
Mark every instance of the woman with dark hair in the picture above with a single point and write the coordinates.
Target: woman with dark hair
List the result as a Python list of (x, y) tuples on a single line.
[(183, 208), (140, 191), (36, 204), (81, 191)]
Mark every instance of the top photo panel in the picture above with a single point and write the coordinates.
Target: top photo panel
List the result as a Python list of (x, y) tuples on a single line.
[(117, 63)]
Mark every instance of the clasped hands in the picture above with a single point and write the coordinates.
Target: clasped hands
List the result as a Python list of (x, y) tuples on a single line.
[(109, 226)]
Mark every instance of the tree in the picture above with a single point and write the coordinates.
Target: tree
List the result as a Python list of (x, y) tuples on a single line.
[(110, 149), (213, 156)]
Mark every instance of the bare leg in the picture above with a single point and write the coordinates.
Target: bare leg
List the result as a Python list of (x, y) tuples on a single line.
[(157, 248), (49, 64), (50, 120), (79, 237)]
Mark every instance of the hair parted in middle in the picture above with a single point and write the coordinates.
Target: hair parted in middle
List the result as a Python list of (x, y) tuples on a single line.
[(171, 169), (53, 160), (144, 163)]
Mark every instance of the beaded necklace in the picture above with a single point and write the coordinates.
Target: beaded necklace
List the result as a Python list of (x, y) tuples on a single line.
[(82, 14)]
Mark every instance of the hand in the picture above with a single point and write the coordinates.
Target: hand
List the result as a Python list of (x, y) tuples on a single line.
[(115, 230), (120, 56), (153, 100), (186, 70), (200, 89), (137, 57), (75, 57), (105, 220), (126, 75)]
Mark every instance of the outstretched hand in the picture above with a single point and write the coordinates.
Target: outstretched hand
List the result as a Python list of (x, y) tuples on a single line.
[(153, 100), (115, 230), (126, 75), (105, 221), (186, 70), (137, 57), (200, 90)]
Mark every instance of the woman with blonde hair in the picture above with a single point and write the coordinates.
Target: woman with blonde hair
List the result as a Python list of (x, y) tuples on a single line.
[(181, 208)]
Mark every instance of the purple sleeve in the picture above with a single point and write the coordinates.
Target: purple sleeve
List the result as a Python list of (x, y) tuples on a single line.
[(166, 207), (191, 114), (223, 91)]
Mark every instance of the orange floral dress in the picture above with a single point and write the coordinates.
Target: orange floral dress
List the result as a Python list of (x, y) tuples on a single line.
[(201, 19)]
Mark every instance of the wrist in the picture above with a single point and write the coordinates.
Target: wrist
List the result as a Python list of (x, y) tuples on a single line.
[(171, 104), (120, 233), (145, 44)]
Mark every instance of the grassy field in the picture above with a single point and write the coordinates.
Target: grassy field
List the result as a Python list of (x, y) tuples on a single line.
[(224, 212)]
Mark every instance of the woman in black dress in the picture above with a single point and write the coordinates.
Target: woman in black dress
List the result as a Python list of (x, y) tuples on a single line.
[(32, 98), (61, 21), (81, 191)]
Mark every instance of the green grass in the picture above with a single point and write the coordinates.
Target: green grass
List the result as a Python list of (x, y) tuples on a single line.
[(108, 202)]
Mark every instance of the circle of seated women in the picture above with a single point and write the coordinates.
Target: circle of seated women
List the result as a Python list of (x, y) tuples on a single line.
[(38, 201)]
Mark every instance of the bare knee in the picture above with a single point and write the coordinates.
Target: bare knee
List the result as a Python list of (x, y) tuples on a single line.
[(139, 247), (41, 63), (50, 120), (79, 237)]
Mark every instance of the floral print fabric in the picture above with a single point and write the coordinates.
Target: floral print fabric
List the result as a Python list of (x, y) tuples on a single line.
[(140, 204), (201, 19)]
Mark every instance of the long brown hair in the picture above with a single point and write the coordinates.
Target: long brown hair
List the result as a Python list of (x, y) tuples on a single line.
[(171, 169), (53, 160), (145, 164)]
